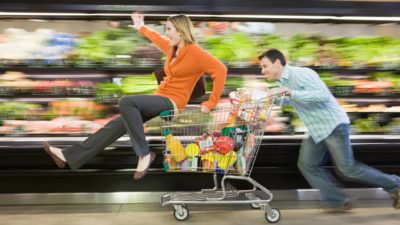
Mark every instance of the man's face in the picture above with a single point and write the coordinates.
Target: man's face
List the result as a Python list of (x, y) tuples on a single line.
[(271, 70)]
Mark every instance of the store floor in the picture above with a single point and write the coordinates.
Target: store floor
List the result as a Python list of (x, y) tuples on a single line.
[(293, 212)]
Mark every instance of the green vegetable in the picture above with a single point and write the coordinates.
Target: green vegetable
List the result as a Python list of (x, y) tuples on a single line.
[(17, 110), (235, 48), (367, 125), (139, 84), (105, 44)]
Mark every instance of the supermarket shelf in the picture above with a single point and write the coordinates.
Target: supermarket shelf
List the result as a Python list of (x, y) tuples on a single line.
[(341, 70), (22, 160), (111, 170), (79, 70), (381, 100), (42, 97), (395, 114), (76, 70), (18, 141), (45, 99), (281, 7), (361, 98), (370, 97), (70, 75), (355, 70)]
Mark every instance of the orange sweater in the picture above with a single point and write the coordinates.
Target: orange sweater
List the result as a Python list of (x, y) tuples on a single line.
[(184, 72)]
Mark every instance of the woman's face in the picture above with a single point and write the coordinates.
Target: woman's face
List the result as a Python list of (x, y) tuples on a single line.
[(173, 35)]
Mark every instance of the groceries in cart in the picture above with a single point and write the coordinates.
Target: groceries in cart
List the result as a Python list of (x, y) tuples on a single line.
[(223, 141), (227, 141)]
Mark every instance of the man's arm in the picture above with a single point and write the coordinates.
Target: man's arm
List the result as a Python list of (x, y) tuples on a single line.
[(311, 88)]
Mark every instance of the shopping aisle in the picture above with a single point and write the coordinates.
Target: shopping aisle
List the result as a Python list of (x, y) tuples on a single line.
[(293, 212)]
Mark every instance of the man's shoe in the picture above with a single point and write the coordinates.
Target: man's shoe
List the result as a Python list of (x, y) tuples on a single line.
[(346, 207), (59, 162), (396, 199), (140, 174)]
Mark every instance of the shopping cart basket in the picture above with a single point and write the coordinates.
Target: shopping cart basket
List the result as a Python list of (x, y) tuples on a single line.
[(225, 141)]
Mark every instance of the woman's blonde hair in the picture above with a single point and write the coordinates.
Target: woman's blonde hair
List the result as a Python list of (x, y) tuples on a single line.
[(184, 26)]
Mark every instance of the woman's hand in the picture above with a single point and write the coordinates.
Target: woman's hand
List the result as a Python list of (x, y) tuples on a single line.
[(204, 109), (138, 20)]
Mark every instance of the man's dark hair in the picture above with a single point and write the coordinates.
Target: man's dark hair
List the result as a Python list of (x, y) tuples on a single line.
[(273, 54)]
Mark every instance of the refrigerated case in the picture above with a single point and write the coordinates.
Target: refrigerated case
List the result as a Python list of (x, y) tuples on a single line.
[(62, 76)]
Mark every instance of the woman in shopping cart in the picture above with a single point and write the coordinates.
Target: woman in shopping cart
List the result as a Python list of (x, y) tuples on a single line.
[(328, 126), (185, 63)]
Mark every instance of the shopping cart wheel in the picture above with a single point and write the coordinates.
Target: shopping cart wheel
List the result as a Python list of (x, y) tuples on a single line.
[(274, 216), (181, 212), (252, 196), (255, 206)]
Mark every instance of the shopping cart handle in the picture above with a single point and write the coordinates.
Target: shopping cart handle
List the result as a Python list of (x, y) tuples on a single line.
[(280, 94)]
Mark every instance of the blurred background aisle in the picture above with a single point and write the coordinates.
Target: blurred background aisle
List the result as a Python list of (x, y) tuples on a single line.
[(65, 64)]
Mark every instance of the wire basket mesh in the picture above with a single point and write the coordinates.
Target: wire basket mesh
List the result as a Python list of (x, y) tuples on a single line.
[(226, 140)]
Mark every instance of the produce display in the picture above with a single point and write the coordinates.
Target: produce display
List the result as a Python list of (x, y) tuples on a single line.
[(241, 49), (110, 47), (18, 46), (108, 93), (139, 84), (236, 44), (64, 117), (18, 84), (231, 84), (365, 85), (236, 49), (233, 43)]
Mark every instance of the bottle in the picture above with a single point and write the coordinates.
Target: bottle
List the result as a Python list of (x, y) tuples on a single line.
[(192, 151), (174, 145), (169, 163)]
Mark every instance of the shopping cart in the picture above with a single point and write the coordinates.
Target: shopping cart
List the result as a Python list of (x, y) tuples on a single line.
[(225, 141)]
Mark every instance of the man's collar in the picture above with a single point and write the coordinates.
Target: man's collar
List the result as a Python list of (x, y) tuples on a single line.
[(285, 74)]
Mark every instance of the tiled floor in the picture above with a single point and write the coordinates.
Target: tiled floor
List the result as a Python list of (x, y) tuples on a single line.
[(293, 212)]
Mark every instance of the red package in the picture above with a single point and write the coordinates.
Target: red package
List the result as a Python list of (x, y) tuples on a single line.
[(224, 144)]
